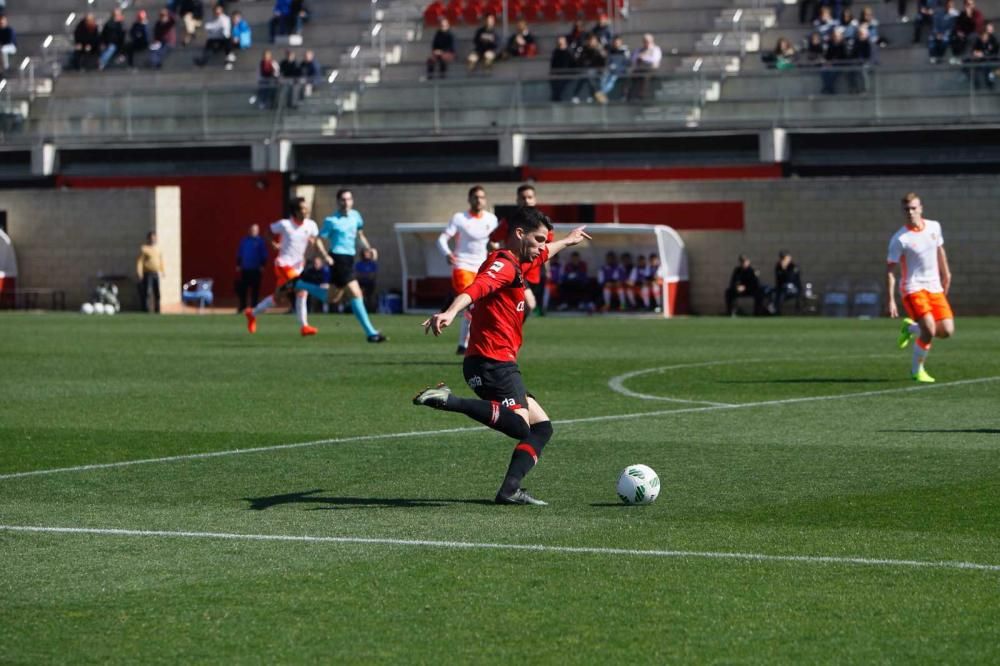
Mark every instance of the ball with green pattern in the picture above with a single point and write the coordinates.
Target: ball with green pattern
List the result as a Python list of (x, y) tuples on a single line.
[(638, 484)]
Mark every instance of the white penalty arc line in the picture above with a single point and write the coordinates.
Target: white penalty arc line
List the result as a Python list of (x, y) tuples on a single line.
[(536, 548), (451, 431)]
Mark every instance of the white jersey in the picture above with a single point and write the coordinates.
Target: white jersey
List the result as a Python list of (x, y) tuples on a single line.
[(294, 242), (471, 234), (916, 252)]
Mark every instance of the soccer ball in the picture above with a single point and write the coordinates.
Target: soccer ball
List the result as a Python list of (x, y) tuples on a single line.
[(98, 308), (638, 484), (87, 308)]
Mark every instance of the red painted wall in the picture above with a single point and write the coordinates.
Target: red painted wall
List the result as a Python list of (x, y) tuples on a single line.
[(215, 214)]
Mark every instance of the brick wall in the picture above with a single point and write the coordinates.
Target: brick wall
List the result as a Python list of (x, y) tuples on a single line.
[(836, 227)]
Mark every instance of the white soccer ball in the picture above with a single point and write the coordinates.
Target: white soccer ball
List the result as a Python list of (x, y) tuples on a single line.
[(98, 308), (109, 309), (638, 484), (87, 308)]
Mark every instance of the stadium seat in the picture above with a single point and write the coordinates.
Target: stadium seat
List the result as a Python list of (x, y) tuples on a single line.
[(836, 299), (867, 300), (198, 292), (552, 10), (433, 13)]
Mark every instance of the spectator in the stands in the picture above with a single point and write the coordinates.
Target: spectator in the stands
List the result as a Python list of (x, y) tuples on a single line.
[(561, 65), (968, 25), (924, 18), (807, 11), (164, 38), (8, 43), (744, 283), (576, 36), (218, 37), (442, 50), (787, 282), (861, 53), (984, 53), (310, 71), (290, 71), (783, 56), (645, 61), (300, 16), (191, 13), (267, 81), (619, 59), (242, 35), (522, 43), (86, 42), (603, 31), (138, 37), (813, 52), (590, 63), (943, 31), (484, 45), (281, 19), (825, 23), (848, 23), (868, 20), (112, 38), (838, 55)]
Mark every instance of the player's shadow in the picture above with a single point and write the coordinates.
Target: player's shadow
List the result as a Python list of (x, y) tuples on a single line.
[(309, 497), (809, 380), (973, 431)]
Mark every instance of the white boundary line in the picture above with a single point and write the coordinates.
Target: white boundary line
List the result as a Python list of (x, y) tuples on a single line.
[(538, 548), (449, 431)]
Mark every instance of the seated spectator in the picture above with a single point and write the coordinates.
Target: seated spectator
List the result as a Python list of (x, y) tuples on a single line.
[(744, 283), (300, 16), (561, 64), (522, 43), (814, 53), (86, 42), (281, 19), (848, 24), (943, 31), (968, 25), (290, 72), (590, 63), (267, 81), (112, 38), (787, 282), (218, 37), (442, 50), (629, 279), (825, 23), (577, 36), (164, 38), (366, 273), (611, 279), (783, 56), (138, 37), (242, 36), (8, 43), (619, 59), (310, 73), (191, 13), (645, 62), (575, 284), (868, 19), (603, 31), (837, 56), (484, 45), (924, 18), (984, 54)]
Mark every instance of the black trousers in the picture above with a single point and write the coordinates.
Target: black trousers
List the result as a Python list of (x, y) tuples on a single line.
[(149, 288), (249, 281)]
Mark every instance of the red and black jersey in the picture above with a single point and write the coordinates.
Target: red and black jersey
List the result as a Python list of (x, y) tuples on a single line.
[(498, 305)]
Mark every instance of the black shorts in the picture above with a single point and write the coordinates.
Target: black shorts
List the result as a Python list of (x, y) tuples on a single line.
[(496, 380), (342, 271)]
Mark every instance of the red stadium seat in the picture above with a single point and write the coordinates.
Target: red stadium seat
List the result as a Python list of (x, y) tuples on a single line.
[(454, 11), (472, 13), (552, 11), (532, 10), (433, 13)]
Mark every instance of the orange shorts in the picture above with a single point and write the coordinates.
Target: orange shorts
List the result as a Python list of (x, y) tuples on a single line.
[(461, 279), (923, 302), (283, 274)]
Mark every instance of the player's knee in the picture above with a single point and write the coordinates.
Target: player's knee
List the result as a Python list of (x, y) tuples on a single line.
[(540, 435)]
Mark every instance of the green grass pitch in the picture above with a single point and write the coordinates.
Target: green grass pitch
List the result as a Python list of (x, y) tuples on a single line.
[(817, 505)]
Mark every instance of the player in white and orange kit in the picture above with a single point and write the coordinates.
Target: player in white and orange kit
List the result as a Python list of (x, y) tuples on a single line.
[(918, 248), (294, 236), (471, 231)]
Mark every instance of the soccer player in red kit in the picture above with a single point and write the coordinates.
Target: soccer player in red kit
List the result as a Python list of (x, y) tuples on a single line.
[(497, 301)]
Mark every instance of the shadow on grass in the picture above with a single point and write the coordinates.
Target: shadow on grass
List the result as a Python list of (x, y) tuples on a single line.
[(428, 364), (812, 380), (309, 497), (974, 431)]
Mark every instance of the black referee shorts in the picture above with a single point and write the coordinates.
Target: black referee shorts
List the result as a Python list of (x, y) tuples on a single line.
[(342, 271), (496, 380)]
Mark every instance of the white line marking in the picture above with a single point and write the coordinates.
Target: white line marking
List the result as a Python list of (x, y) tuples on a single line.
[(449, 431), (538, 548)]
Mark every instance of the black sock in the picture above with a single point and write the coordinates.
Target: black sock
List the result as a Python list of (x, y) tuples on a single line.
[(525, 457), (491, 414)]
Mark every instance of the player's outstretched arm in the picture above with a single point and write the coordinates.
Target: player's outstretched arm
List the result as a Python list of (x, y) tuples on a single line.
[(574, 237), (890, 290), (442, 320), (944, 270)]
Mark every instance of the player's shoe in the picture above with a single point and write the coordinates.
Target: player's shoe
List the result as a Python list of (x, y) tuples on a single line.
[(307, 330), (251, 320), (460, 350), (905, 337), (378, 337), (922, 376), (433, 397), (520, 496)]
